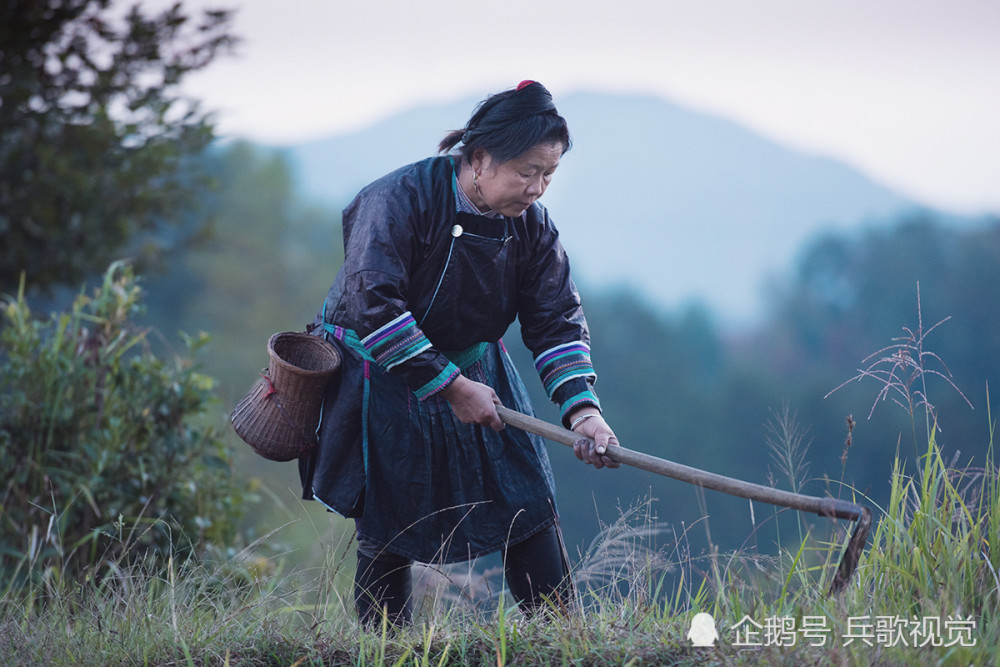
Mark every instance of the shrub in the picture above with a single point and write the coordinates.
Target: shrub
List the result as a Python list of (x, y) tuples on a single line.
[(97, 434)]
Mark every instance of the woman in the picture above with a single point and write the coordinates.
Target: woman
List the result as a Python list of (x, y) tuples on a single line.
[(440, 257)]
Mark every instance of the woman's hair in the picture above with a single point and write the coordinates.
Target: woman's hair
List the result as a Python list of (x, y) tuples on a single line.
[(509, 123)]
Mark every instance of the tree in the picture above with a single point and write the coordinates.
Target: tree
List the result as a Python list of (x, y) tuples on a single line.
[(96, 136)]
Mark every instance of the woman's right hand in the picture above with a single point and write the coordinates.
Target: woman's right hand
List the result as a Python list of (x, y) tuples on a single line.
[(473, 402)]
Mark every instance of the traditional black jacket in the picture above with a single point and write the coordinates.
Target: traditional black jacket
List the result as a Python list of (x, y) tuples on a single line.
[(423, 288)]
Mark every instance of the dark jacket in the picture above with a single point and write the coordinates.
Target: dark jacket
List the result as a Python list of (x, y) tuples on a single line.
[(422, 281)]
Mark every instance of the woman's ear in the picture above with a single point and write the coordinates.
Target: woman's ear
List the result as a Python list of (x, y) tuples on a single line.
[(480, 160)]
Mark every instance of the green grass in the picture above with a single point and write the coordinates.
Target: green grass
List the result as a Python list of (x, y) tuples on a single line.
[(934, 553)]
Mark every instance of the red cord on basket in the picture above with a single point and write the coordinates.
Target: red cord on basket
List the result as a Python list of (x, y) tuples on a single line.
[(271, 389)]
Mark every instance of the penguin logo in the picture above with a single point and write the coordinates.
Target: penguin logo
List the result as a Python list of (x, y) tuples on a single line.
[(702, 632)]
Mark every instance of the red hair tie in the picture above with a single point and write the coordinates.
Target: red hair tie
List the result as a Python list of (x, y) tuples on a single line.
[(526, 82)]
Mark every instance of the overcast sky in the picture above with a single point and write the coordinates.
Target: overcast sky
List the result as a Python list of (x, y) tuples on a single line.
[(908, 91)]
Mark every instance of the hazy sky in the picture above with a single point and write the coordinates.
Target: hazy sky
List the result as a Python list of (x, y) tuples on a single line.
[(906, 90)]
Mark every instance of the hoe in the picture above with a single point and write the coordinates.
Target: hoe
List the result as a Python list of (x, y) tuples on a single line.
[(828, 507)]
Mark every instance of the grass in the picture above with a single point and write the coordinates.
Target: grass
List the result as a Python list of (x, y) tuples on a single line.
[(934, 554), (926, 590)]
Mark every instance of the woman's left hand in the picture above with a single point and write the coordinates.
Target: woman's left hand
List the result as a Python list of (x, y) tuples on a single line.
[(597, 436)]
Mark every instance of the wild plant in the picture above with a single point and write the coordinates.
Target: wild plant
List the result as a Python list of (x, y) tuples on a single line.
[(626, 561), (902, 369), (786, 438), (96, 430), (934, 553)]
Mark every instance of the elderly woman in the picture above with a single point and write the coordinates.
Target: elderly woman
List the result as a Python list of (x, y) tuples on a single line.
[(440, 257)]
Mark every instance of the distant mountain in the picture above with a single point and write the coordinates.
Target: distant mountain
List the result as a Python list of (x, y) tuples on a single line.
[(680, 205)]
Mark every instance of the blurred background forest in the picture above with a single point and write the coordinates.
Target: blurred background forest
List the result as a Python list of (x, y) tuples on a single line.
[(251, 252)]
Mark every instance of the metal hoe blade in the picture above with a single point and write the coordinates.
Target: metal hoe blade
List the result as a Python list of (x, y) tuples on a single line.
[(827, 507)]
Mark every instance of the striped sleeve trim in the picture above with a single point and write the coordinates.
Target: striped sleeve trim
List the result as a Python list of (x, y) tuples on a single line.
[(563, 363), (583, 398), (443, 379), (396, 342)]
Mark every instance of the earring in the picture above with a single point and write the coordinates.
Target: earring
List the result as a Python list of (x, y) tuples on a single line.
[(475, 180)]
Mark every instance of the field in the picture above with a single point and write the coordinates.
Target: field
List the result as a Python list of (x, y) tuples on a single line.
[(925, 592)]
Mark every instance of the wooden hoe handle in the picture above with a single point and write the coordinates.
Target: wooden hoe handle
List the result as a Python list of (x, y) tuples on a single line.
[(828, 507)]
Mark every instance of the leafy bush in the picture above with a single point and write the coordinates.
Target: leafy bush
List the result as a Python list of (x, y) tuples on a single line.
[(97, 433)]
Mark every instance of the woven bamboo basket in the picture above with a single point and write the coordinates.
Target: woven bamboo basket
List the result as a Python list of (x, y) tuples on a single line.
[(279, 415)]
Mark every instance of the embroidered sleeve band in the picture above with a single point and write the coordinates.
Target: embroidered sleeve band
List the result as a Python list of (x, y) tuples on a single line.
[(443, 379), (562, 363), (396, 342), (583, 398)]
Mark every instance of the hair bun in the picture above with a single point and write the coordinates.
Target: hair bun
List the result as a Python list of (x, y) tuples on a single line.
[(511, 122)]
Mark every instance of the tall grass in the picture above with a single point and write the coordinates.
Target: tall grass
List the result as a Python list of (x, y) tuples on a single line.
[(934, 555)]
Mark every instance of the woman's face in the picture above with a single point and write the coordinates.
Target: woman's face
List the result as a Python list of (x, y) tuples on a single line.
[(512, 186)]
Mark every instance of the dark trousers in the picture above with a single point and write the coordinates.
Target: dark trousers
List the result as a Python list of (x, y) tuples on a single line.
[(536, 571)]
